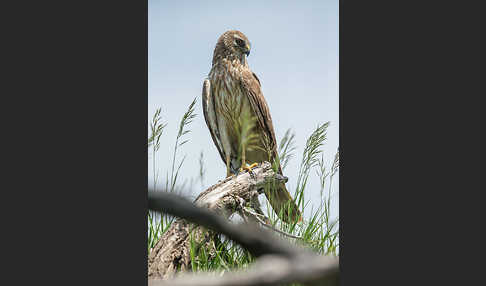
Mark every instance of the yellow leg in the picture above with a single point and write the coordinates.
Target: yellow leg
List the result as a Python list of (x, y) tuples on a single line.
[(228, 171), (243, 163), (243, 160)]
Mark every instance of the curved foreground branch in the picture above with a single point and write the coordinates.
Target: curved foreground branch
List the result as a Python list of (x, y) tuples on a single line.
[(278, 261), (269, 270)]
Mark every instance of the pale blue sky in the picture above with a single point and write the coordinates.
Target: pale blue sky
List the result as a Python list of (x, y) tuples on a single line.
[(294, 54)]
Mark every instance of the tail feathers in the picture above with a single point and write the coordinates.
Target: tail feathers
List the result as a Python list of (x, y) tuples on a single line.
[(283, 204)]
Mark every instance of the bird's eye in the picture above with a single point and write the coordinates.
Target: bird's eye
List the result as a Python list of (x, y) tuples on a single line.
[(240, 42)]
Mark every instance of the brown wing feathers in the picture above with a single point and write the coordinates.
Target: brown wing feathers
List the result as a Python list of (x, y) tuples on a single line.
[(210, 117), (281, 198)]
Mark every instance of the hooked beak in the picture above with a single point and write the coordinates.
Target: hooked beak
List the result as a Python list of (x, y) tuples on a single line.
[(247, 50)]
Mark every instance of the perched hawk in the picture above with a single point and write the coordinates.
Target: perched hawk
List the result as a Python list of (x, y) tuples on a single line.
[(238, 117)]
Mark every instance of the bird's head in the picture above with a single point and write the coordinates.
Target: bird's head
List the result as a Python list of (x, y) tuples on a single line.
[(233, 43)]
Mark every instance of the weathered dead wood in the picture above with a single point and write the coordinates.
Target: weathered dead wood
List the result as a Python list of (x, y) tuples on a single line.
[(172, 251)]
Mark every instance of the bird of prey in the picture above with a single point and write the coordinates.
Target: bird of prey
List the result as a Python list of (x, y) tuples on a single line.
[(238, 117)]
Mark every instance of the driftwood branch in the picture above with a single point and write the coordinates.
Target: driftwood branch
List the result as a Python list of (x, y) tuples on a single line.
[(172, 251), (278, 261)]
